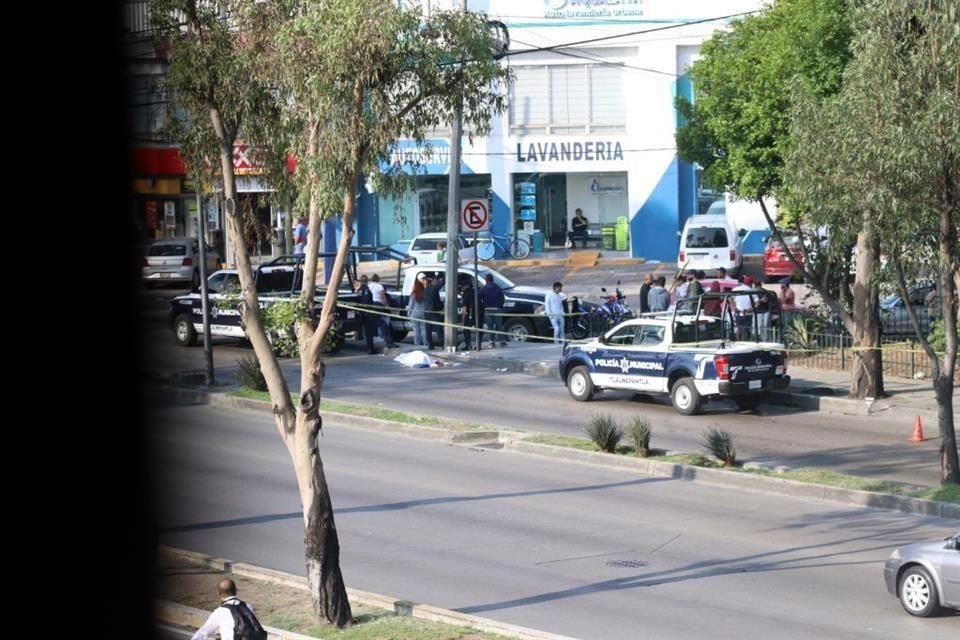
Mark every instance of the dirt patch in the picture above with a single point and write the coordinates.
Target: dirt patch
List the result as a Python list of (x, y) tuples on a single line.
[(195, 585)]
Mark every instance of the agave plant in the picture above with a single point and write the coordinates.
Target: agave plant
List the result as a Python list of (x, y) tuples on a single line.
[(639, 431), (719, 443), (605, 432)]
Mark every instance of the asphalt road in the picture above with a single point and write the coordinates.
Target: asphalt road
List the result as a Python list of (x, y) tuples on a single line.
[(874, 448), (572, 549)]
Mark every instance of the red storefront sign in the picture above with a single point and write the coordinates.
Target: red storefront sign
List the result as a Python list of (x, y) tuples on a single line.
[(156, 162)]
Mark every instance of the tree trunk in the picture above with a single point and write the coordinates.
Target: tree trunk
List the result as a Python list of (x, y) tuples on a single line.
[(321, 544), (867, 376), (950, 308)]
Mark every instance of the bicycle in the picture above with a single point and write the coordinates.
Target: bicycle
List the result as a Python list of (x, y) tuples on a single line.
[(518, 248)]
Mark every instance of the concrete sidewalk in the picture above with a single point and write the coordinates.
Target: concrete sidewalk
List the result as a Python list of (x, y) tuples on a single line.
[(816, 389)]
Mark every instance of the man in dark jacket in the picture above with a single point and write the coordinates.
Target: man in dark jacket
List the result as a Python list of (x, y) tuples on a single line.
[(491, 306), (434, 309), (468, 316), (644, 290)]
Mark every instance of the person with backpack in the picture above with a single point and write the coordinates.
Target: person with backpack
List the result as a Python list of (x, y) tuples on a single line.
[(234, 619), (368, 321)]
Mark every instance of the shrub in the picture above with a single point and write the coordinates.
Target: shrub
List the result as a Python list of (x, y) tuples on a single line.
[(250, 375), (639, 432), (605, 432), (720, 444)]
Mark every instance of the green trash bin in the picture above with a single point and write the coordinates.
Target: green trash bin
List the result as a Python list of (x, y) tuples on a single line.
[(536, 241), (621, 236), (608, 231)]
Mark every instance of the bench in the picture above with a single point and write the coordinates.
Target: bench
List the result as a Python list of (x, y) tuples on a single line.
[(594, 236)]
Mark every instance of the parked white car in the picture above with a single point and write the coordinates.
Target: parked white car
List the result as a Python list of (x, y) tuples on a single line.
[(710, 241), (426, 248)]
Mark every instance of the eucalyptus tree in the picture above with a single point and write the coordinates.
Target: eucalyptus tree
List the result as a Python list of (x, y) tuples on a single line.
[(349, 80)]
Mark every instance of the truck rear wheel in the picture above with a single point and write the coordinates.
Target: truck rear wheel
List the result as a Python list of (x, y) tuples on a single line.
[(183, 330), (685, 397)]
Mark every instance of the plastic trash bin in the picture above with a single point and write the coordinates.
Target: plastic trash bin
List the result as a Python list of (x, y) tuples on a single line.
[(608, 231), (621, 235), (536, 241)]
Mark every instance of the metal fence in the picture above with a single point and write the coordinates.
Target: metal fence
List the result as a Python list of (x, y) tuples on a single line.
[(901, 358)]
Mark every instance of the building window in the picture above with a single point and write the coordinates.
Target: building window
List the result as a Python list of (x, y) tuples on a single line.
[(567, 99)]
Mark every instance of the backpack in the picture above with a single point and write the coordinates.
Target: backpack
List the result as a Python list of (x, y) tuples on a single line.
[(364, 295), (245, 624)]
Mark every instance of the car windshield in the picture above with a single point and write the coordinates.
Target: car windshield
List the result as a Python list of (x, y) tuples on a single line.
[(890, 300), (426, 244), (161, 250), (791, 239), (707, 238)]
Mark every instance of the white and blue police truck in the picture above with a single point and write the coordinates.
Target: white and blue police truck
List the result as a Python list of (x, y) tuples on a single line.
[(688, 354)]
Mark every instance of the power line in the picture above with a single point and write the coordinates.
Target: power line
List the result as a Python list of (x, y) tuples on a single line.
[(632, 33), (614, 63)]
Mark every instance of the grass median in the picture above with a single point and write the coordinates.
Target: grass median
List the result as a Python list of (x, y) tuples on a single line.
[(947, 493), (194, 584), (367, 411)]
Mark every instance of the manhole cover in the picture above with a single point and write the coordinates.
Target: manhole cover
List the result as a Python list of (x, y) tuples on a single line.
[(626, 564)]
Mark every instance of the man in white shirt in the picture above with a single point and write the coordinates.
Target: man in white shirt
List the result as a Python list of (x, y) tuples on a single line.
[(222, 619), (380, 301), (744, 307), (553, 307)]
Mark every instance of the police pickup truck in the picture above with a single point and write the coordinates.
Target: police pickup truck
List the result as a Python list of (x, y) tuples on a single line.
[(522, 305), (277, 280), (692, 356)]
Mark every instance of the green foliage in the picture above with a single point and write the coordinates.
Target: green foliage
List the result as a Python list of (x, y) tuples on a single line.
[(605, 432), (719, 443), (639, 432), (251, 377), (737, 128), (801, 330)]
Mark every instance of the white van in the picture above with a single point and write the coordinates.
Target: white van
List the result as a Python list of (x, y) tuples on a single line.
[(711, 241)]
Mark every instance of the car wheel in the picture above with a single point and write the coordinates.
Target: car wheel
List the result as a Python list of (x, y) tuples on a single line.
[(685, 397), (398, 334), (195, 282), (748, 403), (184, 332), (518, 329), (918, 593), (579, 384)]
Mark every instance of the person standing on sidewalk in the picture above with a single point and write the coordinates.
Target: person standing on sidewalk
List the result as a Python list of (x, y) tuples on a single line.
[(232, 616), (658, 299), (381, 305), (368, 321), (416, 309), (468, 312), (553, 307), (433, 306), (491, 302), (300, 236), (644, 290)]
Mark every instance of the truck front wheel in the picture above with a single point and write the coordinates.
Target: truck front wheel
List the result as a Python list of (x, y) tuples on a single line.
[(579, 384), (686, 399)]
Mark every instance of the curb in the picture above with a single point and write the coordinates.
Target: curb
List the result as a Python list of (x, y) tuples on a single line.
[(186, 616), (509, 440)]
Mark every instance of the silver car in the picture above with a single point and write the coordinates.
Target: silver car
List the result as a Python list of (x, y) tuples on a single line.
[(177, 260), (894, 317), (925, 575)]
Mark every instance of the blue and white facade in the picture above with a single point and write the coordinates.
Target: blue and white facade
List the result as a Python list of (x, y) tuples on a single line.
[(591, 126)]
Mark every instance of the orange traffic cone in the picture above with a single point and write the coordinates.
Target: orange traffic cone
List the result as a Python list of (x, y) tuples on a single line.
[(917, 431)]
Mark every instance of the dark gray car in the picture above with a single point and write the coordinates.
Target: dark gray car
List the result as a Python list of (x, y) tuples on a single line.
[(925, 575)]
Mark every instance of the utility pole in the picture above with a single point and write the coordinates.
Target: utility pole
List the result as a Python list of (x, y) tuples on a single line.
[(453, 226), (204, 301)]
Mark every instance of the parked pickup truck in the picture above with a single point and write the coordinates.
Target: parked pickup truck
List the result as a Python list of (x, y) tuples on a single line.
[(277, 280), (691, 356)]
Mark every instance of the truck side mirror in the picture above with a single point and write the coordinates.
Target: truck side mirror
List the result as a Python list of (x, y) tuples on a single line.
[(742, 232)]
